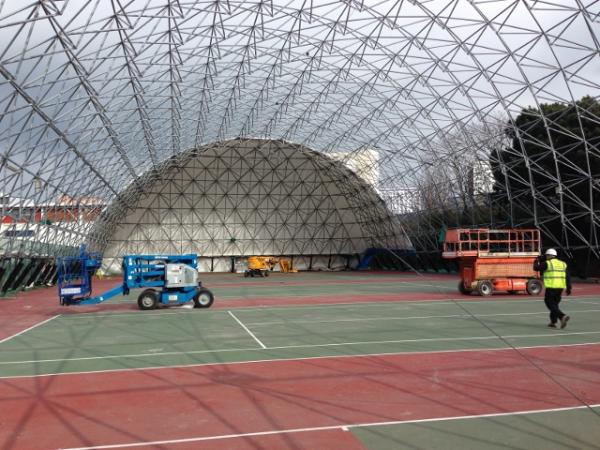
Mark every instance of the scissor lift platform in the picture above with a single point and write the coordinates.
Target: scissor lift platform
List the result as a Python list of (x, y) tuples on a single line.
[(495, 260)]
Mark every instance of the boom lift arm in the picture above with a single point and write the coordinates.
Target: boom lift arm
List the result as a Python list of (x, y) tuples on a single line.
[(169, 280)]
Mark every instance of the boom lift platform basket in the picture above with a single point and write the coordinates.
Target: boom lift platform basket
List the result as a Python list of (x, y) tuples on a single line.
[(168, 280), (495, 260)]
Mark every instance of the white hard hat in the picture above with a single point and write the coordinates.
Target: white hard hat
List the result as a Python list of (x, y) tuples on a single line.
[(551, 252)]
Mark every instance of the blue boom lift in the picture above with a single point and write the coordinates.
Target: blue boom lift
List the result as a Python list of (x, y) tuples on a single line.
[(169, 280)]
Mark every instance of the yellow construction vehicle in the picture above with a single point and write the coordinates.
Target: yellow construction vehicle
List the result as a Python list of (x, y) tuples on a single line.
[(260, 266), (286, 266)]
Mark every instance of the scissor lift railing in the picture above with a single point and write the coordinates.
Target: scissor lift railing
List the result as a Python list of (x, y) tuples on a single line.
[(495, 259), (483, 242)]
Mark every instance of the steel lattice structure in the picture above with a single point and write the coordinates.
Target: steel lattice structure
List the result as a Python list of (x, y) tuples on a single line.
[(99, 97), (247, 197)]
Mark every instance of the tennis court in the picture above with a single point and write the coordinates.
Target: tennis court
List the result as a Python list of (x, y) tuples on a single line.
[(328, 360)]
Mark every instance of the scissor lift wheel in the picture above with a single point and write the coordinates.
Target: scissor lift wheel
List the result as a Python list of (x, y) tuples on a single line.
[(534, 287), (485, 288)]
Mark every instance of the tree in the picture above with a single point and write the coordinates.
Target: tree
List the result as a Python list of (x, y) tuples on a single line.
[(453, 187), (550, 173)]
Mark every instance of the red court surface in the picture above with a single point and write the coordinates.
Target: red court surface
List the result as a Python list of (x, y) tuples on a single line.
[(305, 403), (196, 403)]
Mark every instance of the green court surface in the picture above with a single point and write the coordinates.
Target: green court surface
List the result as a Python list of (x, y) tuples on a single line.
[(320, 286), (314, 285), (172, 337), (320, 290), (575, 429)]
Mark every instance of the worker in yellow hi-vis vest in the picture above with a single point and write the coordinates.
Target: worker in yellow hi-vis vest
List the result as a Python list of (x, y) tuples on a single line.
[(556, 278)]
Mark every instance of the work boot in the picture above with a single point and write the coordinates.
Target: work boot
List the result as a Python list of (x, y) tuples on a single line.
[(563, 321), (551, 325)]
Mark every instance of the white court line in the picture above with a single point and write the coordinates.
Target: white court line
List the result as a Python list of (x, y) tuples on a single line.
[(131, 356), (425, 302), (451, 316), (553, 333), (414, 283), (246, 328), (306, 358), (6, 339), (145, 314), (343, 427), (502, 300), (340, 320)]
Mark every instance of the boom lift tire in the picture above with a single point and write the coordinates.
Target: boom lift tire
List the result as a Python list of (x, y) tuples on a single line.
[(463, 290), (485, 288), (534, 287), (148, 299), (203, 298)]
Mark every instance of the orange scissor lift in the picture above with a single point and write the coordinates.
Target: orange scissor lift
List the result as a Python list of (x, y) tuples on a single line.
[(495, 260)]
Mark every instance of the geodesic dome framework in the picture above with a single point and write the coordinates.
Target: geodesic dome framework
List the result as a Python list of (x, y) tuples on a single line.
[(96, 93), (247, 197)]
